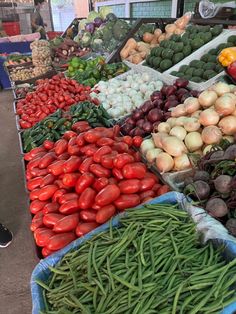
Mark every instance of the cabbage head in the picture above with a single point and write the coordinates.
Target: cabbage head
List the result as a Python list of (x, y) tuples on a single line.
[(82, 24), (104, 11), (92, 15)]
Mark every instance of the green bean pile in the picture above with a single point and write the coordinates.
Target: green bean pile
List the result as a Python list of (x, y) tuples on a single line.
[(153, 263)]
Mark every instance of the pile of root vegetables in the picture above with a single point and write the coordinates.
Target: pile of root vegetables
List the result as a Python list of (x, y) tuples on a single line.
[(81, 181), (213, 185), (193, 128)]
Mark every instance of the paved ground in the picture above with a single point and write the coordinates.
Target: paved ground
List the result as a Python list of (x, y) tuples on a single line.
[(18, 260)]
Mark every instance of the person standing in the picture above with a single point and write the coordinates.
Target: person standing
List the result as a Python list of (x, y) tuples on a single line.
[(37, 23), (5, 236)]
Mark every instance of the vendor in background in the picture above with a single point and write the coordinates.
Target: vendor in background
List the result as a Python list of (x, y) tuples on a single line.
[(37, 22)]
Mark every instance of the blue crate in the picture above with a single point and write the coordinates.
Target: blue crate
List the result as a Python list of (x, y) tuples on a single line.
[(42, 272)]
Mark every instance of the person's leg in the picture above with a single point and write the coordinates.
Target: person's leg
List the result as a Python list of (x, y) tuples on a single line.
[(5, 236)]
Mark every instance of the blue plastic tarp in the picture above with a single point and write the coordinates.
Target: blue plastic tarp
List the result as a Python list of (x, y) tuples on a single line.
[(42, 272)]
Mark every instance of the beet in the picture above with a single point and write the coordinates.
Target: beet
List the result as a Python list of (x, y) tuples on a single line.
[(201, 175), (180, 82), (140, 123), (223, 183), (137, 114), (231, 226), (216, 207), (199, 189), (155, 115), (147, 127), (147, 106), (230, 152), (156, 95)]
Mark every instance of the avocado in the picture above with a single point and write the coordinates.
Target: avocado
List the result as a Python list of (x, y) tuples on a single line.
[(187, 77), (194, 63), (150, 60), (207, 37), (168, 44), (183, 68), (204, 58), (198, 72), (213, 52), (175, 38), (185, 41), (196, 79), (209, 66), (177, 57), (197, 43), (218, 68), (167, 53), (208, 74), (174, 73), (211, 58), (158, 51), (199, 64), (156, 62), (189, 71), (221, 47), (165, 64), (178, 47), (162, 43), (232, 39), (187, 50), (153, 50), (216, 30)]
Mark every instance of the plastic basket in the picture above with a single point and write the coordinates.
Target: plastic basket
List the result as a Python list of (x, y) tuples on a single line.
[(42, 271)]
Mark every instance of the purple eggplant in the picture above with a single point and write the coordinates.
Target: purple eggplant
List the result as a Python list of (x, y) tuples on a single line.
[(89, 27)]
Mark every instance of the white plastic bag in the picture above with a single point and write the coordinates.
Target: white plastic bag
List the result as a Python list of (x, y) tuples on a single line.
[(209, 9)]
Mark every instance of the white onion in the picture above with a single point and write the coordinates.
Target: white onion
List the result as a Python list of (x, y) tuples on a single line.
[(179, 132), (207, 98), (152, 154), (171, 122), (178, 111), (228, 125), (225, 105), (209, 117), (211, 135), (191, 105), (164, 162), (196, 114), (221, 88), (180, 121), (173, 146), (147, 145), (234, 113), (181, 163), (158, 137), (207, 149), (163, 127), (193, 141), (191, 124)]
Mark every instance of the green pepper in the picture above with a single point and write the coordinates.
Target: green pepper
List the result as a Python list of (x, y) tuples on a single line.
[(59, 122)]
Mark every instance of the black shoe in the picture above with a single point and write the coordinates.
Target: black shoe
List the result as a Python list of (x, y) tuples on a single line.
[(5, 236)]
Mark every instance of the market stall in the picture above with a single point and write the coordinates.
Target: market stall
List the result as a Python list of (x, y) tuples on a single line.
[(109, 123)]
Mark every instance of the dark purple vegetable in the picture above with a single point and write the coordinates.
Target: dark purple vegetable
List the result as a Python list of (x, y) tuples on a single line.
[(172, 97), (155, 115), (158, 103), (231, 226), (155, 126), (217, 154), (180, 92), (137, 114), (138, 132), (171, 90), (147, 127), (164, 90), (167, 115), (89, 27), (126, 128), (140, 123), (195, 93), (181, 82), (156, 95), (130, 121), (97, 21), (170, 104), (199, 189), (147, 106), (185, 96), (230, 152), (223, 183), (201, 175), (216, 207)]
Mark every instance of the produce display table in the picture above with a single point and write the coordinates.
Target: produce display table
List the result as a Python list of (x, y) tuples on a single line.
[(21, 47)]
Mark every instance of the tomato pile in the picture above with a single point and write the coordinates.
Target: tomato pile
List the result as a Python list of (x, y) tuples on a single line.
[(81, 181), (51, 94)]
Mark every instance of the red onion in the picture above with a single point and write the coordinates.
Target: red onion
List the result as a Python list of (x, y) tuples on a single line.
[(147, 106), (147, 127), (170, 103), (158, 103), (155, 115), (126, 128), (171, 90), (156, 95), (181, 82), (130, 121), (140, 123), (137, 114), (185, 96)]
